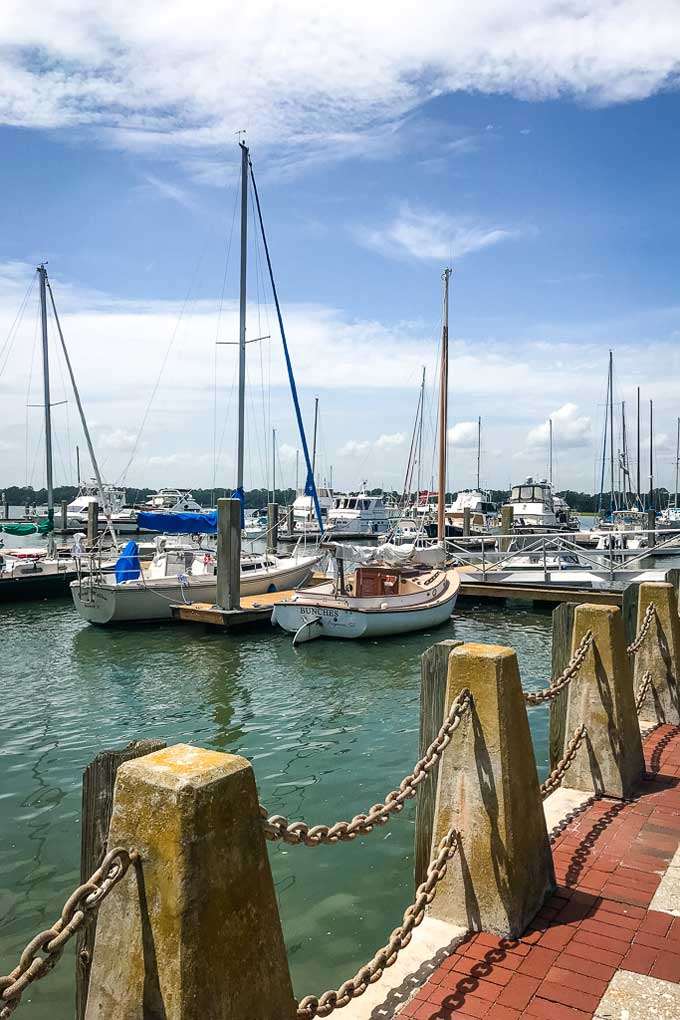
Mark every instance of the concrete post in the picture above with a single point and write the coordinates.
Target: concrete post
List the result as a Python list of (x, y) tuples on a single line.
[(92, 521), (229, 553), (610, 760), (506, 526), (272, 527), (488, 790), (64, 514), (466, 521), (659, 654), (194, 932)]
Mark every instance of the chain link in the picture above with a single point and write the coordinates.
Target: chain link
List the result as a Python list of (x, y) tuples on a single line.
[(650, 613), (323, 1005), (44, 951), (565, 677), (557, 775), (642, 691), (278, 827)]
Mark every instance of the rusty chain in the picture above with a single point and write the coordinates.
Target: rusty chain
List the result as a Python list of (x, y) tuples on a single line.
[(44, 951), (642, 691), (278, 827), (323, 1005), (557, 775), (565, 677), (650, 613)]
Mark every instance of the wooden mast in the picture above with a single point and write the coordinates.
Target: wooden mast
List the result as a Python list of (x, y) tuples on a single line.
[(443, 410)]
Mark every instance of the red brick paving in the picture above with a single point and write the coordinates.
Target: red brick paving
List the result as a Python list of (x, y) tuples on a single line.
[(608, 862)]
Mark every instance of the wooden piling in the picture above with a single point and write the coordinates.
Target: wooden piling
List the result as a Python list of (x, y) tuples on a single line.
[(64, 514), (506, 526), (97, 804), (466, 522), (92, 521), (228, 553), (272, 527), (434, 665), (290, 520)]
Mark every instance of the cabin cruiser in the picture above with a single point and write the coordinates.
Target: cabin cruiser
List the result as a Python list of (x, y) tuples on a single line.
[(170, 501), (357, 515), (536, 510), (483, 514), (622, 529), (304, 511)]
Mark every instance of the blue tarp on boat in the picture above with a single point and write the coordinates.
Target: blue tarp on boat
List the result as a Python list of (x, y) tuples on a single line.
[(178, 523), (127, 564)]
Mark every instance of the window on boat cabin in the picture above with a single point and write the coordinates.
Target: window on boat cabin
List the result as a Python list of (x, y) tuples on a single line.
[(526, 493), (351, 504)]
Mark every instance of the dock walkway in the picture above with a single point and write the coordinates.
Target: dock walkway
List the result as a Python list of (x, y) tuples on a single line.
[(607, 944)]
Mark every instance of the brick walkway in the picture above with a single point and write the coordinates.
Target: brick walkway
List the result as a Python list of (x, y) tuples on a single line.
[(608, 862)]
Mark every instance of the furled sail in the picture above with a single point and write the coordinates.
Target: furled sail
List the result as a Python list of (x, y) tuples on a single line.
[(176, 523)]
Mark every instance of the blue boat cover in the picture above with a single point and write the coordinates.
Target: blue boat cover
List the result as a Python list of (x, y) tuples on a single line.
[(178, 523), (127, 564)]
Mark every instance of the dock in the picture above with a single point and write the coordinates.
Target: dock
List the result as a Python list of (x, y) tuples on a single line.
[(255, 610)]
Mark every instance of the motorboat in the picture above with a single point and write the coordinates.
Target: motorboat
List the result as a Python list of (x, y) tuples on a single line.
[(395, 591), (536, 510), (304, 511), (140, 592), (357, 515), (483, 514)]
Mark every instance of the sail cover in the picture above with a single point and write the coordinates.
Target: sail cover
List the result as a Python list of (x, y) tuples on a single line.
[(178, 523), (388, 554), (127, 564)]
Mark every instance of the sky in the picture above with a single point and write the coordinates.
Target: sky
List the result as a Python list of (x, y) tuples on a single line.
[(532, 146)]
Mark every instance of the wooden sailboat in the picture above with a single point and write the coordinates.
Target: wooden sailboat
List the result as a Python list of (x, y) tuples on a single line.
[(397, 589)]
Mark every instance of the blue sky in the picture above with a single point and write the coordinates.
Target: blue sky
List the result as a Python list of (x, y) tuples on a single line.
[(533, 146)]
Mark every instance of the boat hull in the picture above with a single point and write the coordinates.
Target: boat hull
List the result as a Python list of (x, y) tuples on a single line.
[(136, 602), (335, 622)]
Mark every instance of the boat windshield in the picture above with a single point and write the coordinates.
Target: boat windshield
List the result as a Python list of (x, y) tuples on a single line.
[(530, 494)]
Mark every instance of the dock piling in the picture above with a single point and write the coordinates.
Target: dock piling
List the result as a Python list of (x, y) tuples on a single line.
[(228, 554), (272, 527), (506, 527), (488, 790), (466, 522), (92, 521), (195, 931), (610, 760), (64, 514), (659, 653)]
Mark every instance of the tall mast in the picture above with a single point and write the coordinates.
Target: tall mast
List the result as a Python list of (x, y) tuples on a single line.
[(639, 492), (420, 434), (242, 324), (479, 448), (273, 465), (611, 431), (42, 274), (443, 410), (297, 472), (651, 455), (677, 462), (316, 422), (550, 462), (78, 464), (624, 463)]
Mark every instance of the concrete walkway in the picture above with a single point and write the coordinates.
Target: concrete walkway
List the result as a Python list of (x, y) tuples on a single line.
[(607, 944)]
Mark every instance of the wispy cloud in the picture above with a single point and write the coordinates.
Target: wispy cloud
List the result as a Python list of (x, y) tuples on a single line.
[(173, 192), (420, 233)]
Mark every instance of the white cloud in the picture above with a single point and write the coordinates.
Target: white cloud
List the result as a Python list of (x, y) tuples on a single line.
[(173, 192), (426, 234), (570, 429), (353, 448), (287, 453), (118, 439), (170, 74), (463, 435), (390, 442)]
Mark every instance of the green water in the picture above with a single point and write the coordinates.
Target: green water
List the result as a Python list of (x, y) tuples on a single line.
[(330, 728)]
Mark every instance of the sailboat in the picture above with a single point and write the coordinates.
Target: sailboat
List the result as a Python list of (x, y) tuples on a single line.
[(145, 592), (33, 572), (396, 589)]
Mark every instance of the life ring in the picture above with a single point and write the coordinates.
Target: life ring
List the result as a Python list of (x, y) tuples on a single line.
[(207, 560)]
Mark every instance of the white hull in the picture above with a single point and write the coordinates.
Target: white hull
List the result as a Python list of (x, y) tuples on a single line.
[(338, 622), (136, 601)]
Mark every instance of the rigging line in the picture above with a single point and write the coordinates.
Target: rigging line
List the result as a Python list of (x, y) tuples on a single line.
[(187, 300), (14, 328), (68, 463), (218, 329), (254, 431), (28, 391), (265, 416)]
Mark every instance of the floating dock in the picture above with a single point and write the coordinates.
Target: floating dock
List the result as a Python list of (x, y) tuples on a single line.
[(255, 610)]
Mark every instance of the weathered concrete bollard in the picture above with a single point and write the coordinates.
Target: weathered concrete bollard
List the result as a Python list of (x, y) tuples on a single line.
[(609, 760), (488, 789), (659, 653), (194, 932)]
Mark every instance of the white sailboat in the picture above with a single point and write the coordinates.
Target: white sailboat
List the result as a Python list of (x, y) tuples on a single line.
[(145, 592), (396, 589)]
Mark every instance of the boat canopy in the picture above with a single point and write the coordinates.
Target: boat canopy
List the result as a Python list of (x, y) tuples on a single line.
[(178, 523), (387, 553)]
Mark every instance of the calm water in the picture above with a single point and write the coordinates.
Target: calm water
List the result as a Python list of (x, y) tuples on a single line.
[(330, 728)]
